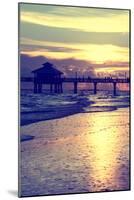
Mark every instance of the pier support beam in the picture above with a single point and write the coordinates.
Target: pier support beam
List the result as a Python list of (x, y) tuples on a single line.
[(75, 87), (39, 88), (114, 88), (55, 88), (95, 88), (61, 88), (51, 88), (35, 88)]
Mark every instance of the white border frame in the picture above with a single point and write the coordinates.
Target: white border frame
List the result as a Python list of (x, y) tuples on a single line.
[(9, 99)]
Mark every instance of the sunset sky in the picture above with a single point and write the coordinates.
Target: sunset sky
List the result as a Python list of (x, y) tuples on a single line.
[(77, 39)]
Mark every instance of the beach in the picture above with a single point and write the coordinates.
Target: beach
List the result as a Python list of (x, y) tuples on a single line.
[(83, 152), (74, 100)]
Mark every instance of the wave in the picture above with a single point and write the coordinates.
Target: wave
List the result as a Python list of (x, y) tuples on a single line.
[(99, 109), (39, 107), (26, 138)]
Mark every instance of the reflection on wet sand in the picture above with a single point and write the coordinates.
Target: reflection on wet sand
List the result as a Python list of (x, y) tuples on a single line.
[(107, 144), (81, 153)]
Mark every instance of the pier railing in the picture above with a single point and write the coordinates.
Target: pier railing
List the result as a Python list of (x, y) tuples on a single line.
[(97, 80), (58, 84)]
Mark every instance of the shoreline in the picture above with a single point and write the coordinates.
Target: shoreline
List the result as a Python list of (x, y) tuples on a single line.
[(36, 108), (56, 112), (25, 137), (39, 116), (72, 157)]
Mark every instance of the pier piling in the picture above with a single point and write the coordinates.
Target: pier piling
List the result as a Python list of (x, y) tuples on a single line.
[(114, 88), (95, 88), (75, 87)]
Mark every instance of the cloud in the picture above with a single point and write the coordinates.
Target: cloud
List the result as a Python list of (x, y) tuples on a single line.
[(46, 48), (73, 11), (88, 52), (85, 19), (64, 35), (112, 67), (70, 66), (90, 34)]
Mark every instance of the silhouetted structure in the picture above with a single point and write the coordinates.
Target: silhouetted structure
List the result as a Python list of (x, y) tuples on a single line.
[(47, 74), (50, 75)]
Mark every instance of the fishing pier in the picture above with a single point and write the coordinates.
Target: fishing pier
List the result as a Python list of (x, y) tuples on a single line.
[(50, 75)]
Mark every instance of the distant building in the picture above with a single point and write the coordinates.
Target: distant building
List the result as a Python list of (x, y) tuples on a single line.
[(47, 74)]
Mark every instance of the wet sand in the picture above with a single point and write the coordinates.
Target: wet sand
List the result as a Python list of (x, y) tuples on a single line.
[(86, 152)]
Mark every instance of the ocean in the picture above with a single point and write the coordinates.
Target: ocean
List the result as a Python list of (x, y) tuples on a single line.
[(74, 143), (45, 106)]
